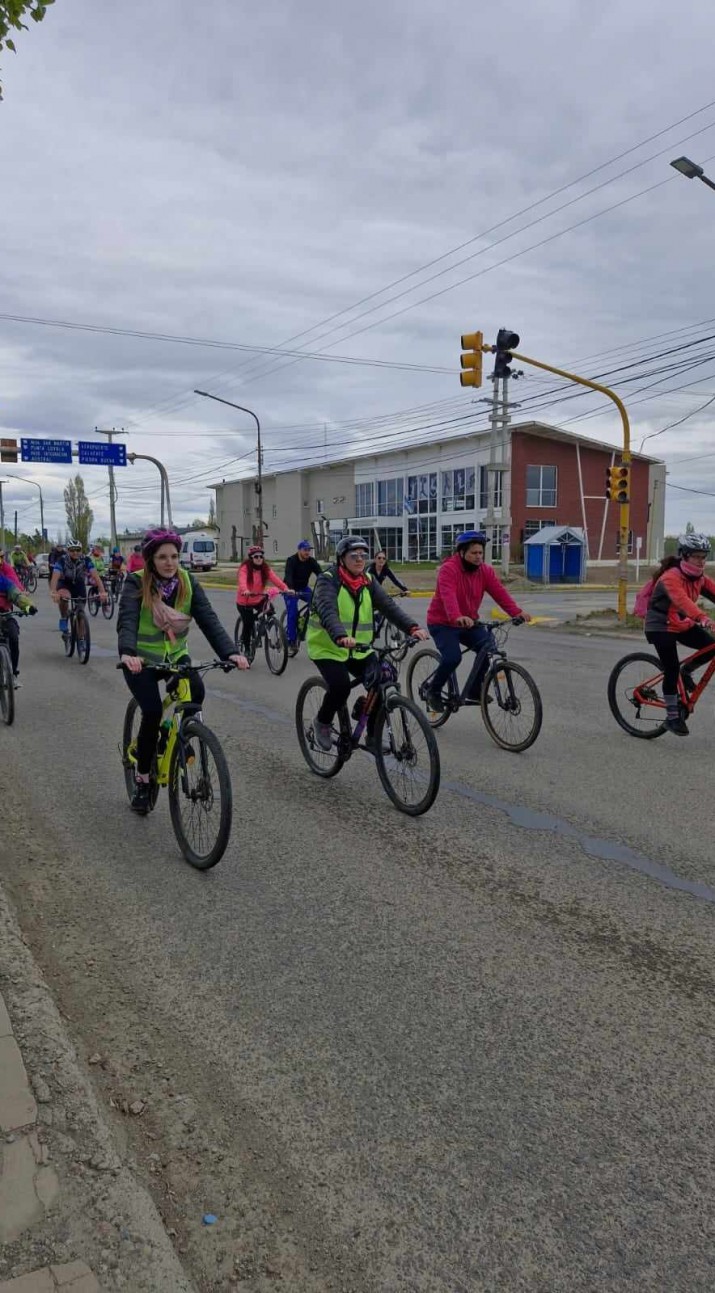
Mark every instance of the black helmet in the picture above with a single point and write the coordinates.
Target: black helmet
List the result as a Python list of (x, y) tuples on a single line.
[(351, 543)]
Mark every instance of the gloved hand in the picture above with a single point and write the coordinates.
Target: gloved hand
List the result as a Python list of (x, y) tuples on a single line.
[(31, 610)]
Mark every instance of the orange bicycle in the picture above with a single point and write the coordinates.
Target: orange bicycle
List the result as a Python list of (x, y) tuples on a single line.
[(635, 692)]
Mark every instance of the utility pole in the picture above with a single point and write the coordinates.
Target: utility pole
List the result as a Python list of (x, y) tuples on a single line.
[(112, 491), (2, 516), (259, 482)]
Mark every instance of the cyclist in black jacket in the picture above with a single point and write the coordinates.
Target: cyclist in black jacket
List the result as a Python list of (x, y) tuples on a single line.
[(299, 569), (380, 569)]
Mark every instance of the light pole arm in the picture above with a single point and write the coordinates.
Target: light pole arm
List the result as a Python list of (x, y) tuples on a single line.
[(162, 472)]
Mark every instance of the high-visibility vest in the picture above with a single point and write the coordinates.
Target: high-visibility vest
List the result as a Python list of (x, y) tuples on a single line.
[(356, 615), (153, 644)]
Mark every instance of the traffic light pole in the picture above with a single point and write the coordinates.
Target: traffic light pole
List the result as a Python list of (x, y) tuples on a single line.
[(624, 508)]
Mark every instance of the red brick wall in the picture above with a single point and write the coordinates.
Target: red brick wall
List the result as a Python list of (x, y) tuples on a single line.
[(531, 450)]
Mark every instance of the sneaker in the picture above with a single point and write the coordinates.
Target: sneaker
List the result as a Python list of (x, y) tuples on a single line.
[(323, 736), (64, 626), (434, 701), (292, 649), (16, 680), (677, 726), (141, 799)]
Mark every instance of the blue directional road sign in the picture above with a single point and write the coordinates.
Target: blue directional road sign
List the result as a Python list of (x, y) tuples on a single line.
[(92, 453), (46, 450)]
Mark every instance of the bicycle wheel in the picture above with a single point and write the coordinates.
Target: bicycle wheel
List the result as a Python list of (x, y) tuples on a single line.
[(511, 706), (419, 671), (275, 645), (70, 637), (407, 756), (81, 631), (321, 762), (92, 601), (396, 641), (200, 796), (643, 715), (31, 582), (7, 687), (130, 732), (108, 607)]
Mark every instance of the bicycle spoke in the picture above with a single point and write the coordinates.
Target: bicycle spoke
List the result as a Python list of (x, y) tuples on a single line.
[(407, 757), (511, 706)]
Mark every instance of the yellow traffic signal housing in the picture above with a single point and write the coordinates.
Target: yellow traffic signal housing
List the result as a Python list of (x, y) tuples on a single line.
[(472, 343), (618, 484)]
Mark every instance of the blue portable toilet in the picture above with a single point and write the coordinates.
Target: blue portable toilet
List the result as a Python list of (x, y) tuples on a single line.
[(556, 555)]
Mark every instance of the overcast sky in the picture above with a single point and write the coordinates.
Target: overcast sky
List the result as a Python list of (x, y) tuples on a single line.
[(242, 173)]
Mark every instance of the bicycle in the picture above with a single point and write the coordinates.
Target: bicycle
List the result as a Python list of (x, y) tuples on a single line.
[(7, 680), (116, 581), (190, 763), (397, 641), (28, 579), (508, 695), (267, 629), (303, 618), (635, 692), (93, 602), (402, 741), (77, 635)]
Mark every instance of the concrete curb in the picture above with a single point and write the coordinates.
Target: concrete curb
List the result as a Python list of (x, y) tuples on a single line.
[(66, 1196)]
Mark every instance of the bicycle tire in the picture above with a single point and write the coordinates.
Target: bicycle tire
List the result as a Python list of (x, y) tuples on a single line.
[(322, 763), (108, 607), (434, 718), (511, 670), (93, 601), (397, 641), (31, 584), (250, 650), (652, 667), (275, 646), (195, 733), (407, 755), (7, 687), (130, 730), (70, 637), (83, 640)]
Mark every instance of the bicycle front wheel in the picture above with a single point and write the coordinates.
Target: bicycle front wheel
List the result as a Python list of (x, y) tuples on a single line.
[(81, 631), (396, 641), (93, 601), (130, 732), (200, 796), (511, 706), (7, 688), (108, 607), (31, 582), (635, 695), (324, 763), (419, 671), (275, 645), (407, 756)]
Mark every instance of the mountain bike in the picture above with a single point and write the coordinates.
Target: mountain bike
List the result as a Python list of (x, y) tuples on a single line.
[(76, 634), (303, 618), (401, 741), (635, 692), (267, 631), (190, 763), (397, 641), (93, 602), (28, 579), (7, 680), (510, 701), (115, 581)]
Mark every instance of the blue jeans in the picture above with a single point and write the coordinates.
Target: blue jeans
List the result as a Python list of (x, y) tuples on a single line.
[(448, 641), (306, 595)]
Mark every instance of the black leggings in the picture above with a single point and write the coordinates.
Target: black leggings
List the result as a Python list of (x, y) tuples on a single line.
[(248, 619), (666, 644), (144, 687), (339, 675), (11, 629)]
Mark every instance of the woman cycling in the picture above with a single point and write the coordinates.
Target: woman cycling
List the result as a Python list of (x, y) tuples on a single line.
[(341, 621), (155, 611), (452, 615), (673, 616), (381, 571), (255, 579)]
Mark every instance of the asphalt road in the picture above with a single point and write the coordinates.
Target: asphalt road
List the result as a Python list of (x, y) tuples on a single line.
[(473, 1051)]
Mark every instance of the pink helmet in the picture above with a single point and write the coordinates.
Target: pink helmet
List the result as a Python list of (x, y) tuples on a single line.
[(153, 539)]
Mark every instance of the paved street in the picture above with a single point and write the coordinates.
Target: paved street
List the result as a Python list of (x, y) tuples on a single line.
[(468, 1052)]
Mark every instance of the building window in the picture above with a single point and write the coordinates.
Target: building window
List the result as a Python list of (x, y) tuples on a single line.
[(390, 497), (421, 494), (533, 527), (484, 488), (422, 538), (630, 543), (541, 486), (275, 511), (319, 507), (363, 499), (450, 532), (494, 553), (458, 490)]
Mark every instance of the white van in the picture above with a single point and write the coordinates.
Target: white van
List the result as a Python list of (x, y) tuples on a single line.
[(199, 552)]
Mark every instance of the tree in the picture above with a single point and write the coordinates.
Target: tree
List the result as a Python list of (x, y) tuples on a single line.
[(212, 515), (78, 511), (11, 14)]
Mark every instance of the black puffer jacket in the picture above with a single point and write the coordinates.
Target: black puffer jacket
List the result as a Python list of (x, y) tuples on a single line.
[(201, 611), (325, 605)]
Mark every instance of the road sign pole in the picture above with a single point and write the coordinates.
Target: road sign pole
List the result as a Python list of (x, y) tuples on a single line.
[(112, 496), (2, 517)]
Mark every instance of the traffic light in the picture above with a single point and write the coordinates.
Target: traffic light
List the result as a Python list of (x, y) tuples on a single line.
[(472, 360), (506, 342), (618, 484), (8, 451)]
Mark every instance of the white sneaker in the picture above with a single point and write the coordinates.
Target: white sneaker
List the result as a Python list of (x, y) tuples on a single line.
[(323, 736)]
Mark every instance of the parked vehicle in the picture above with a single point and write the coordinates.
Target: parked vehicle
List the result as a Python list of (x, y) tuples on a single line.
[(199, 552), (42, 565)]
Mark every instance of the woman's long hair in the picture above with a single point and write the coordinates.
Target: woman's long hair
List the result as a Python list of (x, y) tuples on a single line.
[(666, 564), (263, 571), (148, 576)]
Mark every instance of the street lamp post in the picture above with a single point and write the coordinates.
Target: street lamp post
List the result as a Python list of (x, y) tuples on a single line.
[(259, 485), (164, 482), (692, 171), (37, 485)]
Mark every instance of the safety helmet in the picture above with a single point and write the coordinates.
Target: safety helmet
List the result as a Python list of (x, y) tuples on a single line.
[(74, 545), (690, 543), (115, 552), (255, 550), (351, 543), (469, 536), (18, 547), (153, 539)]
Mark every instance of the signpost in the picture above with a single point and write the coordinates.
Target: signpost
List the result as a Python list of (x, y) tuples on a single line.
[(46, 450), (93, 453), (639, 545)]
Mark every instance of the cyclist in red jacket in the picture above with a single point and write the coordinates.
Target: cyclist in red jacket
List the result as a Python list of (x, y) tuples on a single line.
[(452, 615), (673, 616)]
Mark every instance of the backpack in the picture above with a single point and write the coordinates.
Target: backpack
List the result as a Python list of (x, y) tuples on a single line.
[(643, 596)]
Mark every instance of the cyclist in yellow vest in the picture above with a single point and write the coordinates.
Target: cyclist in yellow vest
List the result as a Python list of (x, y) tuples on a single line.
[(340, 629), (156, 608)]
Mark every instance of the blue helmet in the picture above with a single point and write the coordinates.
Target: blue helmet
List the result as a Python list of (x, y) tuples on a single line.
[(469, 536)]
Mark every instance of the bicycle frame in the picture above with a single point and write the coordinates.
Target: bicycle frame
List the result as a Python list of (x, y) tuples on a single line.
[(179, 700), (491, 650), (688, 699), (375, 696)]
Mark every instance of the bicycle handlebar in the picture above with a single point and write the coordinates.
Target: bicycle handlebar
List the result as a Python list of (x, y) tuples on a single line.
[(201, 667)]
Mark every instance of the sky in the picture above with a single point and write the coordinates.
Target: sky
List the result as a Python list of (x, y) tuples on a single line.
[(245, 176)]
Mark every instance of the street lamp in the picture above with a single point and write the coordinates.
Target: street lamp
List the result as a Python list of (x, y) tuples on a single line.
[(164, 482), (37, 485), (692, 171), (259, 485)]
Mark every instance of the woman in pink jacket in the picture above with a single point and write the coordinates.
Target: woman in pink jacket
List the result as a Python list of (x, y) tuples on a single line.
[(254, 579), (452, 615)]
